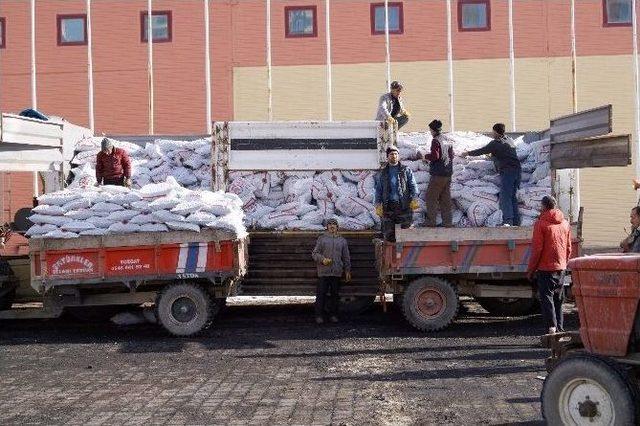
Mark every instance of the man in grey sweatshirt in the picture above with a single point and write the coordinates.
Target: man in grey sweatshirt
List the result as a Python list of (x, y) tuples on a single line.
[(332, 258)]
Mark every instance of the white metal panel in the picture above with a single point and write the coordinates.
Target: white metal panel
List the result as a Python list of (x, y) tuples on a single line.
[(32, 160), (303, 129), (325, 159), (28, 131)]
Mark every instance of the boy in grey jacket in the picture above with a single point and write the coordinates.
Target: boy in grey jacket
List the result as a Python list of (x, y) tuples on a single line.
[(332, 258)]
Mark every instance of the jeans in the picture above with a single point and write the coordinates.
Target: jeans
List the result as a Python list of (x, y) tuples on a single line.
[(551, 291), (326, 285), (401, 120), (509, 185), (439, 197), (393, 214)]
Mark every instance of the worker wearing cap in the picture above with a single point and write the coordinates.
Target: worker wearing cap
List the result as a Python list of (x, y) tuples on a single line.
[(441, 169), (113, 166), (332, 258), (396, 195), (391, 107), (631, 244), (503, 150)]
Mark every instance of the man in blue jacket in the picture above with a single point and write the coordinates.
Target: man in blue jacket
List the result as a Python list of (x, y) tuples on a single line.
[(396, 195)]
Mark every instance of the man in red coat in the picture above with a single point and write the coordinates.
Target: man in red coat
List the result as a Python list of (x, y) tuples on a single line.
[(113, 166), (550, 251)]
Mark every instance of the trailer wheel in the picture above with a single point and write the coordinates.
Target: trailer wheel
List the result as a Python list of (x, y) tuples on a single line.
[(430, 304), (509, 307), (585, 389), (184, 309)]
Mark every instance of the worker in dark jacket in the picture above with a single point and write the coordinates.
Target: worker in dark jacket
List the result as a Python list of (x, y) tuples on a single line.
[(550, 252), (441, 170), (396, 195), (391, 107), (332, 258), (113, 166), (503, 150), (631, 244)]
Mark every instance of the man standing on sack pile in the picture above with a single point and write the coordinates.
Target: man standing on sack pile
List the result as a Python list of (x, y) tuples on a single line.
[(113, 166), (332, 258), (503, 150), (391, 108), (441, 170), (550, 251), (396, 195)]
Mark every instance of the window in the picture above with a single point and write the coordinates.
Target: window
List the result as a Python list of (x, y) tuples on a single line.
[(617, 13), (3, 33), (396, 18), (301, 21), (160, 26), (72, 30), (474, 15)]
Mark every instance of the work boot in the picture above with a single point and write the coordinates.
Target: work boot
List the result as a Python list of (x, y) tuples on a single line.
[(333, 319), (319, 320)]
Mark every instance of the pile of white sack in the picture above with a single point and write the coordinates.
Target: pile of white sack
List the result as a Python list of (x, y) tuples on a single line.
[(189, 162), (155, 207), (303, 200)]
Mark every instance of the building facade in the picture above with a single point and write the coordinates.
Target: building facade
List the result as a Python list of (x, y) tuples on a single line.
[(466, 74)]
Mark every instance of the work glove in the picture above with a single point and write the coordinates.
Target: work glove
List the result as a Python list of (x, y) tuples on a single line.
[(326, 261), (127, 182), (405, 113), (391, 122), (379, 210), (347, 277), (414, 205)]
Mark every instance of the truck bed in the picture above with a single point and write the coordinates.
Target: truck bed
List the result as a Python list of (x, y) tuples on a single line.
[(473, 251), (136, 257)]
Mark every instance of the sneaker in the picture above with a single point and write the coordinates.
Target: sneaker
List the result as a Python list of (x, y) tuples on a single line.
[(333, 319), (319, 320)]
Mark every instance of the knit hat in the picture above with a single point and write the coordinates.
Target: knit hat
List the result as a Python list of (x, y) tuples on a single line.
[(332, 221), (391, 149), (396, 85), (106, 144), (436, 125), (499, 128)]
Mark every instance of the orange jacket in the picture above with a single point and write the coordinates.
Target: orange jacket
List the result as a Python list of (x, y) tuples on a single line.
[(551, 243)]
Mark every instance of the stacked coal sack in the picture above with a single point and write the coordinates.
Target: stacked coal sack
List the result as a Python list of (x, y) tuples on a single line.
[(303, 200), (476, 183), (156, 207), (189, 162)]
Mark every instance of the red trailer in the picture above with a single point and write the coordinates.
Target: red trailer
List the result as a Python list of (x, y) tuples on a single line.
[(186, 274), (427, 269)]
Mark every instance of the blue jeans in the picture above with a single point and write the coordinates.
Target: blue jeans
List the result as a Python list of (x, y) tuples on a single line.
[(509, 184)]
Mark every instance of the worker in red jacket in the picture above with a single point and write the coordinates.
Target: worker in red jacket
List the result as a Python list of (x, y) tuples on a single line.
[(113, 166), (550, 251)]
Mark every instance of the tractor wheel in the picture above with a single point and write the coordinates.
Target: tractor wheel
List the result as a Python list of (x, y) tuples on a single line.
[(184, 309), (585, 389), (430, 304), (508, 307)]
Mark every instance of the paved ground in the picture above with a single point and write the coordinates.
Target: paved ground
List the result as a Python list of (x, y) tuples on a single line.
[(272, 365)]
